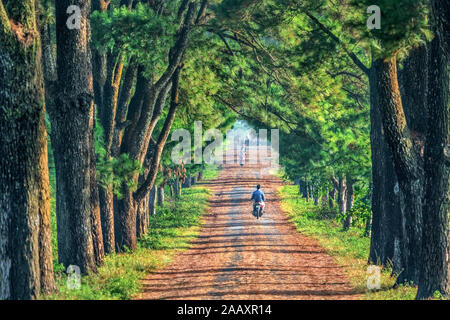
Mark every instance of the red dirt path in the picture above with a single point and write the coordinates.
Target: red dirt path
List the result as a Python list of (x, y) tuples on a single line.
[(239, 257)]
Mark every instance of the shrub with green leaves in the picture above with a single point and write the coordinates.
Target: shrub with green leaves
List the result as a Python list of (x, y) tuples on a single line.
[(114, 171)]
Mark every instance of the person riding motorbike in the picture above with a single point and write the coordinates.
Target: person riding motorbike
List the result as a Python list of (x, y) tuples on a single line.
[(258, 198)]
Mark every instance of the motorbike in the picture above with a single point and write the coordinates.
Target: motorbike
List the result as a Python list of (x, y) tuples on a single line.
[(258, 208)]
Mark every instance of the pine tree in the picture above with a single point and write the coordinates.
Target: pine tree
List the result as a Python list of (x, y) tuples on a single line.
[(26, 265)]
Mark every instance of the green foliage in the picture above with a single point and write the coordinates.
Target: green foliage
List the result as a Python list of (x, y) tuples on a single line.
[(297, 79), (361, 211), (139, 33), (46, 12), (210, 173), (404, 24), (52, 180), (114, 171), (438, 295)]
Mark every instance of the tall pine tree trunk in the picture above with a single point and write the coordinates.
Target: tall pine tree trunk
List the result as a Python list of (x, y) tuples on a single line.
[(46, 257), (350, 199), (331, 197), (342, 196), (106, 196), (142, 217), (110, 93), (161, 196), (406, 166), (122, 106), (435, 272), (413, 88), (385, 222), (72, 141), (188, 182), (307, 193), (25, 243), (99, 61), (96, 223), (152, 201)]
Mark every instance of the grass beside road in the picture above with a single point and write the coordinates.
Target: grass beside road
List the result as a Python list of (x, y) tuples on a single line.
[(210, 173), (349, 249), (170, 231)]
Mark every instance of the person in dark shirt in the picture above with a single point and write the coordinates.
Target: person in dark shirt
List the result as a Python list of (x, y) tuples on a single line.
[(258, 196)]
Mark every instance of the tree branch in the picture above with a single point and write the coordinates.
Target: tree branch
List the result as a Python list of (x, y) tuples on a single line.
[(182, 8), (177, 51), (102, 5), (136, 140), (232, 107), (327, 31), (140, 194), (346, 73), (226, 43), (354, 96), (202, 11)]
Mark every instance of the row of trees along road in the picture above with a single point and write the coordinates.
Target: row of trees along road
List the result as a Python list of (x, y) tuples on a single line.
[(359, 111)]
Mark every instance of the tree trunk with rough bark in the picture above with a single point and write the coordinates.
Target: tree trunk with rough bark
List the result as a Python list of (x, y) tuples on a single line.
[(406, 165), (72, 141), (349, 205), (303, 188), (386, 217), (379, 200), (25, 243), (307, 192), (110, 92), (99, 62), (161, 196), (342, 195), (324, 199), (177, 188), (142, 217), (122, 106), (106, 196), (46, 258), (188, 182), (316, 200), (435, 268), (152, 201), (331, 197), (96, 223)]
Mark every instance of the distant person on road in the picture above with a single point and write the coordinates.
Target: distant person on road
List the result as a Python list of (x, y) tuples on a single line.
[(258, 196), (242, 155)]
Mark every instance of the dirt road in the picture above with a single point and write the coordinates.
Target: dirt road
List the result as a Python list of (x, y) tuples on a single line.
[(239, 257)]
